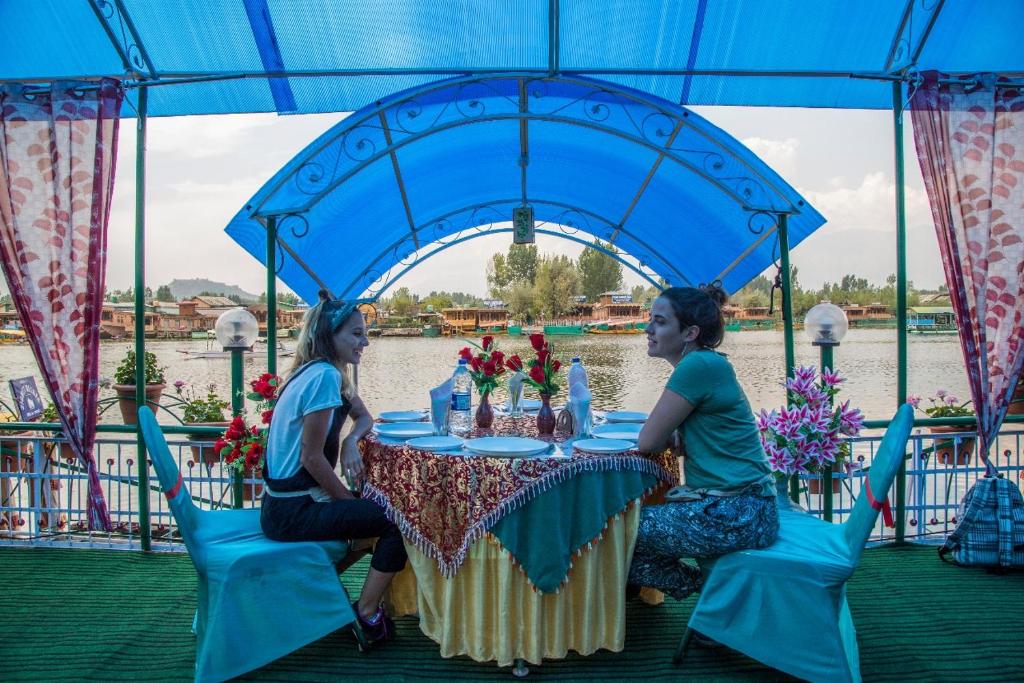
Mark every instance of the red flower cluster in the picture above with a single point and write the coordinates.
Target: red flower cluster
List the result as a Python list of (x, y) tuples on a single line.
[(543, 368), (265, 387), (485, 366), (242, 446)]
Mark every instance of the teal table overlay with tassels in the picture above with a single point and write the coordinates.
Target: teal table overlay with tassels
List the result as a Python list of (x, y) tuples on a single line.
[(544, 534)]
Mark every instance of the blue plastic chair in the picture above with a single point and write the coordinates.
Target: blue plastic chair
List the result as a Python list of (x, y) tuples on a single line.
[(258, 599), (764, 602)]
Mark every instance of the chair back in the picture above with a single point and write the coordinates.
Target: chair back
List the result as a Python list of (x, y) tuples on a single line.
[(890, 454), (178, 499)]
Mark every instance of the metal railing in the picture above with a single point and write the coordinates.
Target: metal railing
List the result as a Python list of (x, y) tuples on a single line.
[(43, 489)]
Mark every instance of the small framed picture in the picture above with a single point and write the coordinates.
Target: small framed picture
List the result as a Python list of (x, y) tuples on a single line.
[(26, 398)]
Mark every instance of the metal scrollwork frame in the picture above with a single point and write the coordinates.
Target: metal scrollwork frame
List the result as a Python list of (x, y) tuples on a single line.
[(360, 140), (376, 133), (440, 233)]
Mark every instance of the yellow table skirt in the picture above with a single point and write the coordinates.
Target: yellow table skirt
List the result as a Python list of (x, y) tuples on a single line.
[(491, 612)]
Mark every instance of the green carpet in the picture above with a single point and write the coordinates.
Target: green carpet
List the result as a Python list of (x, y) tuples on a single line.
[(93, 615)]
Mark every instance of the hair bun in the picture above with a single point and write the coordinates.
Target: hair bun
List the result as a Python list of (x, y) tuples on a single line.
[(324, 295), (715, 292)]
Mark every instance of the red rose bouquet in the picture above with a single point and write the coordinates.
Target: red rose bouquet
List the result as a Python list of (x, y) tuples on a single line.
[(485, 366), (542, 369), (242, 447)]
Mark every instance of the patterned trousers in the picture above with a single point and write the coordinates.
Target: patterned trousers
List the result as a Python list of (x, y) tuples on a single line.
[(703, 528)]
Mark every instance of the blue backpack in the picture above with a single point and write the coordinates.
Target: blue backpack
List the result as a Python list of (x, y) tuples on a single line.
[(990, 530)]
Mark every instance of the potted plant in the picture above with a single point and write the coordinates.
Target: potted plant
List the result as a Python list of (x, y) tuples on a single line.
[(202, 411), (50, 415), (486, 366), (807, 436), (242, 447), (541, 376), (124, 384), (1016, 406), (944, 404)]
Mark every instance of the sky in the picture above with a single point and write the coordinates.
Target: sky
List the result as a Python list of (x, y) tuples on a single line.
[(202, 169)]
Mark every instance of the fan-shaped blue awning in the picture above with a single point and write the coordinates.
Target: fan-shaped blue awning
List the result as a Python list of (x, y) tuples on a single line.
[(435, 165), (302, 56)]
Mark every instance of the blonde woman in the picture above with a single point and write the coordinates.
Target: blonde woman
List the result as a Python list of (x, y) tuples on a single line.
[(305, 498)]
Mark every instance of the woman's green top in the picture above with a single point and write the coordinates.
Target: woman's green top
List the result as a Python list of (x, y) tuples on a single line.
[(723, 449)]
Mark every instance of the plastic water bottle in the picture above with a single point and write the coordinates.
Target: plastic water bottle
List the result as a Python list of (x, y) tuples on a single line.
[(461, 421), (577, 373)]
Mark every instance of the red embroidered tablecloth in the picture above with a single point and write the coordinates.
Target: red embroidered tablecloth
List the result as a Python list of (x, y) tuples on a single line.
[(444, 502)]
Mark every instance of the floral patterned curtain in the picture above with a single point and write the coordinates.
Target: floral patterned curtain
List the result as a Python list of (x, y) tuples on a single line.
[(969, 134), (58, 147)]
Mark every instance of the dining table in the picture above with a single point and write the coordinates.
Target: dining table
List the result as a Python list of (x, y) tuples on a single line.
[(515, 559)]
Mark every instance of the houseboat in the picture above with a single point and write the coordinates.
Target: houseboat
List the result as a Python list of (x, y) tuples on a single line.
[(931, 320)]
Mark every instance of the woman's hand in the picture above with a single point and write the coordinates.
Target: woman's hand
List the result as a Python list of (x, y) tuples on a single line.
[(351, 462)]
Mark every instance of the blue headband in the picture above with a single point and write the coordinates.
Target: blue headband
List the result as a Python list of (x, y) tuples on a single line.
[(338, 311)]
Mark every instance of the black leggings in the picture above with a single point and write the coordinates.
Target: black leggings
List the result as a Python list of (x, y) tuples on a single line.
[(303, 519)]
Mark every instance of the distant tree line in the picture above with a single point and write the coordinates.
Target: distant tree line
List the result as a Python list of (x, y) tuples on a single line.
[(849, 290)]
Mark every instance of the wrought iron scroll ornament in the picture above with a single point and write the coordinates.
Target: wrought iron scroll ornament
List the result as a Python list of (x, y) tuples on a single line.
[(759, 221), (445, 105), (484, 219), (111, 12)]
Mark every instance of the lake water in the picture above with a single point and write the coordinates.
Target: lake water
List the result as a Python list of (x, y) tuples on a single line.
[(397, 372)]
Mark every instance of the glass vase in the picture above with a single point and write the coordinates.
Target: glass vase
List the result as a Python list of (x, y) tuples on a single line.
[(484, 413), (545, 416)]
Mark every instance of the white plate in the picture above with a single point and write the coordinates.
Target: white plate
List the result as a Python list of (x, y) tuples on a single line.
[(403, 416), (603, 445), (404, 430), (630, 431), (506, 446), (435, 443), (625, 416)]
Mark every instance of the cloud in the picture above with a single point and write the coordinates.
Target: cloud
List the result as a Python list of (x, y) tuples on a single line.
[(779, 154), (867, 206)]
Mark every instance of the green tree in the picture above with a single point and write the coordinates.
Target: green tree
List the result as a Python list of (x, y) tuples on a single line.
[(519, 301), (522, 263), (599, 272), (438, 301), (639, 294), (163, 293), (401, 303), (557, 282), (497, 275)]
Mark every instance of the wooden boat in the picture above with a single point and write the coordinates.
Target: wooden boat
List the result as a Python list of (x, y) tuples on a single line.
[(552, 330), (622, 327), (13, 336), (189, 354)]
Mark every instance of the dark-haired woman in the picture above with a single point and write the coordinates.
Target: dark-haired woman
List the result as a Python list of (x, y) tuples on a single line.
[(305, 499), (728, 500)]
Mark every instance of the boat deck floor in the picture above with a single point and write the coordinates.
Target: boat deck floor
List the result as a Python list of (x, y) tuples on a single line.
[(106, 615)]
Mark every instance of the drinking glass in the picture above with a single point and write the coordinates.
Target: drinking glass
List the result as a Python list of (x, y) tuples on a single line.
[(515, 400), (439, 420)]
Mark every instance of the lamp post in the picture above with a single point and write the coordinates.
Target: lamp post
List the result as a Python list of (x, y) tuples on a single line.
[(826, 325), (237, 330)]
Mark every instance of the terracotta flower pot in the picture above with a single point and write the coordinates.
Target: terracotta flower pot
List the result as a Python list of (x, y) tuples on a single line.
[(126, 400), (545, 416), (205, 453), (949, 451), (814, 483), (484, 413), (1016, 406), (250, 491)]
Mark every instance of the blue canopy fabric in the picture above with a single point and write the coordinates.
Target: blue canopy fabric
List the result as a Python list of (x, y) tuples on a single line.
[(398, 181), (305, 56), (390, 208)]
